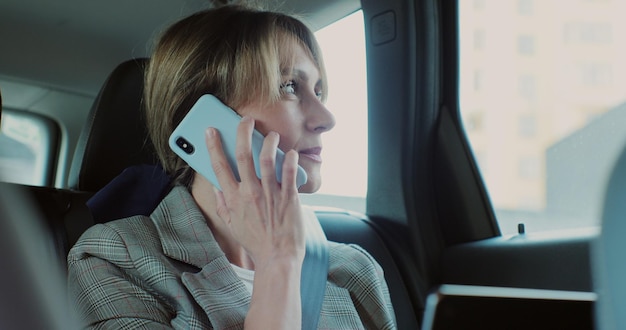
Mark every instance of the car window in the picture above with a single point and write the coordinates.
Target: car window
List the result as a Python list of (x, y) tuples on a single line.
[(344, 170), (542, 92), (28, 147)]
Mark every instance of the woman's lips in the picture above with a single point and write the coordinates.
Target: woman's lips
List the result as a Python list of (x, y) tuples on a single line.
[(312, 154)]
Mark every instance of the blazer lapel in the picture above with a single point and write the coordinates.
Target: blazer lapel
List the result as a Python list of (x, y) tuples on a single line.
[(220, 293), (185, 236)]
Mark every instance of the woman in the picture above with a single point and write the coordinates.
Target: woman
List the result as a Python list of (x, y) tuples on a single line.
[(228, 259)]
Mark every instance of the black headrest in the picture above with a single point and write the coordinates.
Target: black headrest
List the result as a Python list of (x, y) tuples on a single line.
[(114, 136)]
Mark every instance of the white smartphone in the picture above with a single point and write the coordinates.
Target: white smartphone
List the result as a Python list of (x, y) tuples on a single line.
[(188, 142)]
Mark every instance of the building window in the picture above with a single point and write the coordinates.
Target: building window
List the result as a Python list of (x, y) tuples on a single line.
[(588, 33), (527, 126), (527, 87), (478, 80), (479, 39), (596, 74), (525, 7), (526, 45), (529, 168)]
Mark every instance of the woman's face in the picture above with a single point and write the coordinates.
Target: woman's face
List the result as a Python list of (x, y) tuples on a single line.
[(299, 117)]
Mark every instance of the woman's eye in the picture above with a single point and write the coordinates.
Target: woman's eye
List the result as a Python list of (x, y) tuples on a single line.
[(288, 87)]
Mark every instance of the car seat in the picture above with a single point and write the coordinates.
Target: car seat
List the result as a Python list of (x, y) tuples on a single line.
[(114, 158), (114, 136), (608, 266)]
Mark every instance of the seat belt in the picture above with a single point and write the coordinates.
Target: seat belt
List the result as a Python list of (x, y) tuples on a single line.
[(314, 271)]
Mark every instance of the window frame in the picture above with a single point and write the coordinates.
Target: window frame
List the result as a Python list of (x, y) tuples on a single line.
[(46, 164)]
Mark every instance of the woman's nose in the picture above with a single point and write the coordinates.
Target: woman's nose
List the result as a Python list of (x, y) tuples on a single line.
[(320, 119)]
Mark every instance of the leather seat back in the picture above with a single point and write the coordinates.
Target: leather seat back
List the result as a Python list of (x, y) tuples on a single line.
[(114, 136)]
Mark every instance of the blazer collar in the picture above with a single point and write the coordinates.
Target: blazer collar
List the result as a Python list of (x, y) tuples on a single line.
[(185, 236), (183, 230)]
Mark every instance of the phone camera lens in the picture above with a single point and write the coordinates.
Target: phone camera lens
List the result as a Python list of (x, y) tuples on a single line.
[(185, 145)]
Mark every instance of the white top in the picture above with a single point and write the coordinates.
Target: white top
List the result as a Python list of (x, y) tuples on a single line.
[(246, 275)]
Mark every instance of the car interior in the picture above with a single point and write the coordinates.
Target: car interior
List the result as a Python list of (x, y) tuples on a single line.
[(429, 220)]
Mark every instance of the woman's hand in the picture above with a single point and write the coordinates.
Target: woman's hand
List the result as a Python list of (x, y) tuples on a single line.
[(264, 215), (266, 219)]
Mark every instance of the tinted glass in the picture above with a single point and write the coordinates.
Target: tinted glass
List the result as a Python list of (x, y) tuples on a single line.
[(542, 88)]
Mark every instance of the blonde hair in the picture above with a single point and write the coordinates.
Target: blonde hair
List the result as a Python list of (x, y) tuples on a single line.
[(236, 53)]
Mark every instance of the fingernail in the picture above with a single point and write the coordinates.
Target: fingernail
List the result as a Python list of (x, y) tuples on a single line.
[(210, 132)]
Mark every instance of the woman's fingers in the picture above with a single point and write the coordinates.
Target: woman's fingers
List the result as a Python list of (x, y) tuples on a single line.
[(243, 150), (219, 162), (267, 159), (222, 208), (290, 170)]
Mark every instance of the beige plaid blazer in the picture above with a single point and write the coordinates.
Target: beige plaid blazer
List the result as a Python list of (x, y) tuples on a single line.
[(167, 271)]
